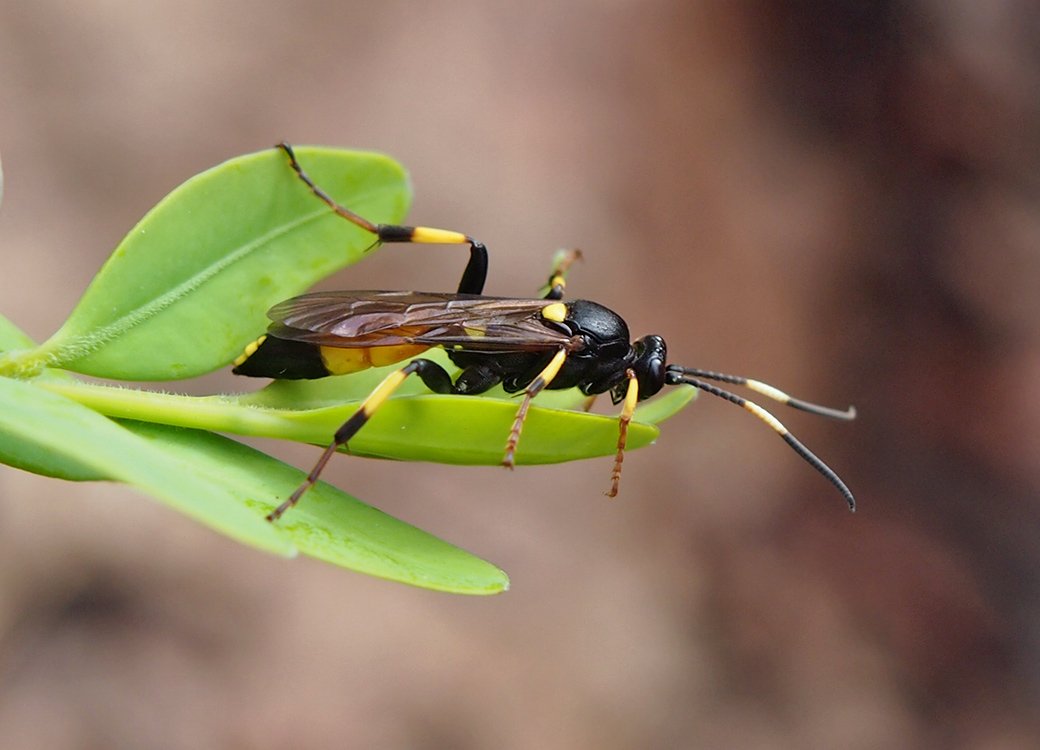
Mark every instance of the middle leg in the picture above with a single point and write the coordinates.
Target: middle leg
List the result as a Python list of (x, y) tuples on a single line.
[(557, 283)]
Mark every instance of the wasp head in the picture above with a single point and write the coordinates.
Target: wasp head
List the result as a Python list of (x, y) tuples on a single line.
[(650, 353)]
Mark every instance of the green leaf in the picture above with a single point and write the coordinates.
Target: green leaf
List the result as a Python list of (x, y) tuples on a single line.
[(189, 286), (416, 425), (12, 337), (35, 423), (331, 525), (666, 405), (40, 458), (230, 488), (445, 429), (31, 456)]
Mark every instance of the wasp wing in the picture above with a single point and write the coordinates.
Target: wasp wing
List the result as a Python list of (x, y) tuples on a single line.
[(349, 319)]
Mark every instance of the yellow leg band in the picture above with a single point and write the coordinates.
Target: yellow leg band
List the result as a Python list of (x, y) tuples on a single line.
[(553, 368), (383, 391), (631, 398), (545, 377), (429, 235)]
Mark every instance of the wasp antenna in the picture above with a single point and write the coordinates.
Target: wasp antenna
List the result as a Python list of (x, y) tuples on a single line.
[(768, 391), (775, 424)]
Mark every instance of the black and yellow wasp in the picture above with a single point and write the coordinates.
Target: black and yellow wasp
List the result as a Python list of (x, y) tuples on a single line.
[(523, 344)]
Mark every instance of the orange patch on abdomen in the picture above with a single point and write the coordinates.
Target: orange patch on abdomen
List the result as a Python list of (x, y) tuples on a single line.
[(342, 361)]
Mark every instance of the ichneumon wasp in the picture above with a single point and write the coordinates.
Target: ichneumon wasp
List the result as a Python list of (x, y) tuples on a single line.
[(523, 344)]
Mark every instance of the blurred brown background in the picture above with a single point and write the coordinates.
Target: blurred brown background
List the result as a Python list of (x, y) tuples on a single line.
[(839, 197)]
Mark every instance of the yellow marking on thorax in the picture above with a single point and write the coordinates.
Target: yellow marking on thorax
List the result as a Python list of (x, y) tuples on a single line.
[(249, 351), (556, 312), (342, 361)]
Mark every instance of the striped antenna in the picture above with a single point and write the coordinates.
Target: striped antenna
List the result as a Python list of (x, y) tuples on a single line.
[(689, 375)]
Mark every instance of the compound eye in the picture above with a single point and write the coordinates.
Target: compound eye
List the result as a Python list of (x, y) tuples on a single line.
[(656, 371), (650, 367), (651, 378)]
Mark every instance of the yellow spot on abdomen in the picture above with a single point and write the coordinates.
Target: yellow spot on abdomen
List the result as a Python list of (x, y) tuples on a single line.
[(342, 361), (387, 355), (249, 351)]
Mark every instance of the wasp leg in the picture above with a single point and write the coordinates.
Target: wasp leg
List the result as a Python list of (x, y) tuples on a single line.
[(473, 277), (535, 387), (476, 379), (631, 398), (433, 376), (562, 262)]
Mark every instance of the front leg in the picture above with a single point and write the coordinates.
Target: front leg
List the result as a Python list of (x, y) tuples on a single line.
[(631, 399)]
